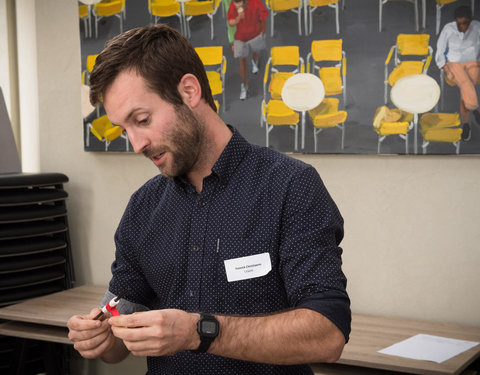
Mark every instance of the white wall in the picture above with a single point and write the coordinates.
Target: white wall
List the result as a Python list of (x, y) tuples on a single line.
[(411, 245)]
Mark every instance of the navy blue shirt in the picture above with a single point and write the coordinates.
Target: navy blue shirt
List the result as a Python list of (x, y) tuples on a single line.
[(172, 243)]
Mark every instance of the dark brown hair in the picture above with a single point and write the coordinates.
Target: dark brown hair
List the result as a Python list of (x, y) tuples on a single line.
[(159, 54), (463, 11)]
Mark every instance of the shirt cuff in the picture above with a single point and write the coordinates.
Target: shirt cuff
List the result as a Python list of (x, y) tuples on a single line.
[(335, 306)]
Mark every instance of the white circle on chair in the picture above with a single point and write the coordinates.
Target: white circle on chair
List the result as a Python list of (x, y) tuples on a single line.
[(303, 91), (417, 93)]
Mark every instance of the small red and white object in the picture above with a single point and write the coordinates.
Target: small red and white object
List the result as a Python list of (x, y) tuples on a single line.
[(111, 306)]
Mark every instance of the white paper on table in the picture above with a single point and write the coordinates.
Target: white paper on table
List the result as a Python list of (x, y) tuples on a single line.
[(429, 348)]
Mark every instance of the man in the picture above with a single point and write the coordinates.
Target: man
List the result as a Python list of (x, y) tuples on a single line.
[(249, 17), (458, 54), (233, 249)]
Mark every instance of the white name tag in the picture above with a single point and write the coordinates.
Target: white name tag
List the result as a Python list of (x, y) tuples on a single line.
[(248, 267)]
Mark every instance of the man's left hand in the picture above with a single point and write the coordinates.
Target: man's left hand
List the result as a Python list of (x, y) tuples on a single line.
[(157, 332)]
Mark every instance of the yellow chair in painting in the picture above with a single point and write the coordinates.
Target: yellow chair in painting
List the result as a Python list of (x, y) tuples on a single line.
[(108, 9), (438, 14), (380, 11), (328, 59), (279, 6), (90, 63), (105, 131), (164, 8), (198, 8), (84, 14), (419, 52), (212, 57), (274, 112), (312, 5), (441, 127), (327, 116), (392, 122), (284, 62)]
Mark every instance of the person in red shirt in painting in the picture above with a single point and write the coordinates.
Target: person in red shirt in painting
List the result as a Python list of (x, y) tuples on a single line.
[(249, 16)]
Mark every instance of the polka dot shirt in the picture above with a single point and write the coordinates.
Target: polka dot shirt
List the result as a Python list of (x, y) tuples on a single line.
[(172, 243)]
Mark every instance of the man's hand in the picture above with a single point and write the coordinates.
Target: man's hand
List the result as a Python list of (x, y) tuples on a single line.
[(91, 338), (157, 332)]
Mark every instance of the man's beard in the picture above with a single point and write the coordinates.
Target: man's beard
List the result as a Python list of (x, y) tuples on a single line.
[(185, 143)]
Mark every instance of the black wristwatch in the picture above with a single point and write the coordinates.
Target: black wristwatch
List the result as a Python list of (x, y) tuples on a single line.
[(207, 328)]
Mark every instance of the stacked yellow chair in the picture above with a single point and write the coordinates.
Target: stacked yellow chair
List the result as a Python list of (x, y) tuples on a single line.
[(278, 6), (392, 122), (198, 8), (106, 132), (164, 8), (327, 116), (419, 52), (314, 4), (109, 8), (274, 111), (329, 59), (212, 57), (440, 127)]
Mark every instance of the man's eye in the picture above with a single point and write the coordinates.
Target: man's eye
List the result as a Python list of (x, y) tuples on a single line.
[(143, 121)]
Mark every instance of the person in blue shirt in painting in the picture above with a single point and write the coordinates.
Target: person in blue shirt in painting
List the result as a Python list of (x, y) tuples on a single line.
[(228, 262)]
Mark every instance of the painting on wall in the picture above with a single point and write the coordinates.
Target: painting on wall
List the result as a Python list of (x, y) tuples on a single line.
[(381, 90)]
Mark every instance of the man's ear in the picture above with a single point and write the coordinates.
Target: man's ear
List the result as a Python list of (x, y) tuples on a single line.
[(190, 90)]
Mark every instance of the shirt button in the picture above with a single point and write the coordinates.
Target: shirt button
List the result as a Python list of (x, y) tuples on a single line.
[(196, 248), (201, 203), (192, 293)]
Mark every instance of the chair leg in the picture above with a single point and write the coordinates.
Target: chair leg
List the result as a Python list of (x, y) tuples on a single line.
[(296, 138), (299, 20), (305, 16), (223, 100), (424, 147), (121, 23), (424, 14), (267, 126), (272, 18), (337, 21), (380, 6), (343, 136), (442, 82), (415, 4), (96, 27), (406, 144), (310, 16), (212, 33), (438, 16)]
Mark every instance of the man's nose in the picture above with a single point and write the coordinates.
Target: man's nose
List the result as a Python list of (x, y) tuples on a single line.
[(138, 141)]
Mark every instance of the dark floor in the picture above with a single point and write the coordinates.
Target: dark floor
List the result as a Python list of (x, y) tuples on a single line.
[(366, 50)]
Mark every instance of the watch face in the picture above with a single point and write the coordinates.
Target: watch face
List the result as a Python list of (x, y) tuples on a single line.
[(209, 328)]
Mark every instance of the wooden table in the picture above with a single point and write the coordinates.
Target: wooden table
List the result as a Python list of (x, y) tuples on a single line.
[(45, 318), (373, 333)]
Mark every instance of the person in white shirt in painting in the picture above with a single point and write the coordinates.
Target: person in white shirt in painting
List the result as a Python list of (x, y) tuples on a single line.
[(458, 54)]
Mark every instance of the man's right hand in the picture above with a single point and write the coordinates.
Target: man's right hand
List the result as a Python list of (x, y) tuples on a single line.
[(91, 338)]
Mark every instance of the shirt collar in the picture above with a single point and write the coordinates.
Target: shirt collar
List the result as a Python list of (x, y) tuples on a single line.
[(231, 156), (227, 163)]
